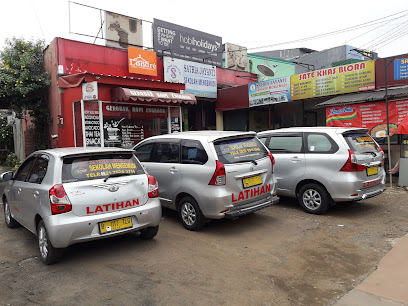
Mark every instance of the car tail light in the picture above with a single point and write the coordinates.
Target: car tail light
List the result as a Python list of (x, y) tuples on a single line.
[(218, 177), (272, 160), (59, 200), (351, 164), (153, 187), (382, 154)]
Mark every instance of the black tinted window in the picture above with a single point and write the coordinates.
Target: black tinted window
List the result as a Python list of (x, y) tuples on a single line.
[(240, 150), (90, 167), (24, 170), (192, 152), (39, 170), (285, 144), (144, 152), (165, 152)]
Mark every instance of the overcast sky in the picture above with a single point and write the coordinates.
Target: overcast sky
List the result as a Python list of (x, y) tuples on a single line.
[(252, 24)]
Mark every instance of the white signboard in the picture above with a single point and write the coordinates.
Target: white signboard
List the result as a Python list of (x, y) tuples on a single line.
[(200, 79), (90, 91)]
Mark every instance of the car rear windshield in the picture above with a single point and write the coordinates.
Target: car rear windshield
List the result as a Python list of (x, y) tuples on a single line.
[(361, 142), (90, 167), (240, 150)]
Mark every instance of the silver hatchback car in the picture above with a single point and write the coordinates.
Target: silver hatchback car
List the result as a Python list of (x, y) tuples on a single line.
[(210, 174), (324, 165), (72, 195)]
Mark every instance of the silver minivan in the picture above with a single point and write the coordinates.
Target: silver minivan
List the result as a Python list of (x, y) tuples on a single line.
[(210, 174), (324, 165)]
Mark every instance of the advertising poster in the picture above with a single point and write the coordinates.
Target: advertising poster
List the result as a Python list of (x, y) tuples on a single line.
[(92, 124), (333, 81), (372, 116), (401, 69), (122, 31), (269, 92), (185, 43), (90, 91), (200, 79), (236, 57)]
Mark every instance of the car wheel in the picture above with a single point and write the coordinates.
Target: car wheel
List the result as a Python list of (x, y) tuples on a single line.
[(190, 214), (10, 221), (149, 232), (314, 199), (48, 253)]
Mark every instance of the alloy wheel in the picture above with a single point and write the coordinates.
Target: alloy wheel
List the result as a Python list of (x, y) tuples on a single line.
[(188, 213), (43, 242), (312, 199)]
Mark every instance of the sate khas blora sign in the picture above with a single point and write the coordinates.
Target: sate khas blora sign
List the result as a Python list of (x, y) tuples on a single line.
[(142, 61)]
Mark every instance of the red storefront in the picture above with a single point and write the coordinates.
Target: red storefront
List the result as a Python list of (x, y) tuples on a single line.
[(96, 101)]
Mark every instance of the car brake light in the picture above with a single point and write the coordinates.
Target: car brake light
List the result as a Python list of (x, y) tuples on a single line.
[(218, 177), (351, 164), (382, 154), (272, 160), (59, 200), (153, 187)]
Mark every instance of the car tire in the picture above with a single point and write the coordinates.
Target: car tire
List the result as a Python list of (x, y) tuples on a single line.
[(10, 221), (48, 254), (314, 199), (148, 232), (190, 214)]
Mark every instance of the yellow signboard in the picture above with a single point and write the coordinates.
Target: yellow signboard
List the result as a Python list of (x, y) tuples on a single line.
[(333, 81)]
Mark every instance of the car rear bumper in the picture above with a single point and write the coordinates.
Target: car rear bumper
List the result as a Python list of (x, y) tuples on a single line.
[(67, 229), (367, 195), (247, 210)]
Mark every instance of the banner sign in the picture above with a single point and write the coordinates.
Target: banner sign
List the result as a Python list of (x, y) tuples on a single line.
[(90, 91), (200, 79), (269, 92), (401, 69), (372, 116), (188, 44), (333, 81), (142, 61)]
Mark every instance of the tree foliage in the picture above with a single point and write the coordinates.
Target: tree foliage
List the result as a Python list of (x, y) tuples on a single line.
[(24, 85)]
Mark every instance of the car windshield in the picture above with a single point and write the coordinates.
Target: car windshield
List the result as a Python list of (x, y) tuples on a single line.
[(90, 167), (361, 142), (235, 150)]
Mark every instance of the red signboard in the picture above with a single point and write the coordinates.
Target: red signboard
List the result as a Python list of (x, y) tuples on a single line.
[(372, 116)]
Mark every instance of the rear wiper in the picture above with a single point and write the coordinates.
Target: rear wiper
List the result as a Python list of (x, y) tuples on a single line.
[(115, 175)]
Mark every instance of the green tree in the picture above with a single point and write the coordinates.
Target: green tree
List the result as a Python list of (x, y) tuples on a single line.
[(24, 85)]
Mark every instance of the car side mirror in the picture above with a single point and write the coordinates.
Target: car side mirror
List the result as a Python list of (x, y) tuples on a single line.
[(6, 176)]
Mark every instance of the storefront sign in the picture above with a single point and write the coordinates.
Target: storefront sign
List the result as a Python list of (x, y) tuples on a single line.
[(401, 69), (332, 81), (142, 61), (372, 116), (188, 44), (200, 79), (90, 91), (269, 92)]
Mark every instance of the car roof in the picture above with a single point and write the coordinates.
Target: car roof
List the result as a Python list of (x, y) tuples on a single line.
[(208, 135), (313, 129), (61, 152)]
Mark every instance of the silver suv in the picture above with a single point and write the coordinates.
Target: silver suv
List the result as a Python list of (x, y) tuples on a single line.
[(324, 165), (210, 174)]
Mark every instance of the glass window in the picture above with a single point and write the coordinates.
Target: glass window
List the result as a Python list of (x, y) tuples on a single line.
[(285, 144), (39, 170), (144, 153), (166, 152), (90, 167), (319, 143), (361, 142), (192, 152), (236, 150), (24, 170), (263, 140)]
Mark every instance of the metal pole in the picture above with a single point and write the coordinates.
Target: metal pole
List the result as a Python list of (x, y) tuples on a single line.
[(388, 121)]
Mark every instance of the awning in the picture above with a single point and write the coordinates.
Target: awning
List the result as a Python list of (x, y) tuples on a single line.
[(128, 94), (361, 97), (70, 81)]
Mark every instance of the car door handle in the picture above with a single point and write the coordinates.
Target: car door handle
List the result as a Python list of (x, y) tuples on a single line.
[(36, 194), (172, 170), (295, 159)]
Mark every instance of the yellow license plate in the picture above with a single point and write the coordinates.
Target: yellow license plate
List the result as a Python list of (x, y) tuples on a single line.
[(372, 171), (115, 225), (252, 181)]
